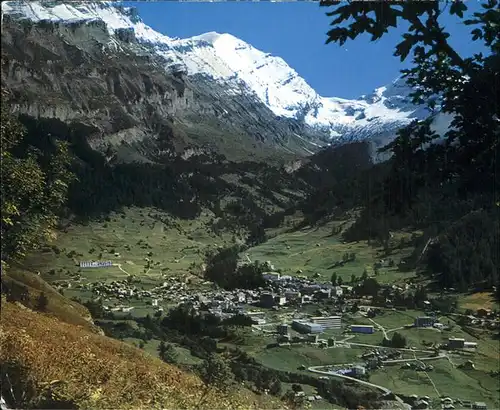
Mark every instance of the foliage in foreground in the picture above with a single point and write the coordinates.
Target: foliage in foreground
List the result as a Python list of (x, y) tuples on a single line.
[(433, 183), (50, 364), (33, 190)]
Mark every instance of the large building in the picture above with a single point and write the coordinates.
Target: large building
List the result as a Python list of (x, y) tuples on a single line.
[(307, 327), (329, 322), (424, 321), (271, 276), (96, 264), (358, 370), (456, 343), (362, 329)]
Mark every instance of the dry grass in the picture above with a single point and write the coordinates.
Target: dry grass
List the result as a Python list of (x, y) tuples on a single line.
[(480, 300), (93, 371), (58, 305)]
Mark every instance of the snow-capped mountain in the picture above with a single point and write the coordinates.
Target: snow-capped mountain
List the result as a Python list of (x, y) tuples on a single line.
[(239, 69)]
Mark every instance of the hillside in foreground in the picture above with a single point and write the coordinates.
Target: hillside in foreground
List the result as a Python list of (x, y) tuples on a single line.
[(49, 363)]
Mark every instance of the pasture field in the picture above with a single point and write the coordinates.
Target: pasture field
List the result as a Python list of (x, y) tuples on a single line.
[(446, 380), (128, 239), (290, 358), (390, 319), (313, 251), (479, 300)]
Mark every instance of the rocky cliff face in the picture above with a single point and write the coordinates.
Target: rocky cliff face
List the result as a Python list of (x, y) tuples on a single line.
[(73, 73), (115, 92), (98, 67)]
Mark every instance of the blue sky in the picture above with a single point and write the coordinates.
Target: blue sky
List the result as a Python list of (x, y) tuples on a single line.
[(297, 33)]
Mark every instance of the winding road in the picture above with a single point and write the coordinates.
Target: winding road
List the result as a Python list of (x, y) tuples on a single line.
[(119, 265), (3, 404), (415, 359), (384, 390), (314, 369)]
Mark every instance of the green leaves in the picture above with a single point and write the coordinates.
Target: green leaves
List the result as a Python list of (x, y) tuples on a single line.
[(404, 48), (476, 34), (458, 7), (32, 191), (365, 17)]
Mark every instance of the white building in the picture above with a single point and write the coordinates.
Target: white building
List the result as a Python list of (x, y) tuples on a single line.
[(328, 322)]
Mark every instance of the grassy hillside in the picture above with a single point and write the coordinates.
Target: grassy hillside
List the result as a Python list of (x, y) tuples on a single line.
[(313, 250), (57, 305), (53, 364)]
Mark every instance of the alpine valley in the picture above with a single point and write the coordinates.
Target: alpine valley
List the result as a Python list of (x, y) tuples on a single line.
[(212, 92), (187, 224)]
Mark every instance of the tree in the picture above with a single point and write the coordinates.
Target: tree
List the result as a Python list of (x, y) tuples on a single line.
[(168, 353), (353, 279), (162, 349), (214, 371), (339, 281), (222, 268), (334, 279), (420, 296), (275, 387), (34, 187), (369, 287), (428, 182), (398, 340)]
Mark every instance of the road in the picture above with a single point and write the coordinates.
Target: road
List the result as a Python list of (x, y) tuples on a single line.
[(429, 377), (384, 347), (380, 327), (440, 356), (119, 265), (314, 369), (3, 404)]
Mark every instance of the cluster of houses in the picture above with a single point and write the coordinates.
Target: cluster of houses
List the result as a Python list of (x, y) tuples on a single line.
[(447, 403), (484, 318), (280, 291), (374, 358), (126, 290), (286, 289)]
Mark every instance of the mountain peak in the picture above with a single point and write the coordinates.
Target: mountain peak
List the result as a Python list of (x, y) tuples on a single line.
[(231, 61), (211, 37)]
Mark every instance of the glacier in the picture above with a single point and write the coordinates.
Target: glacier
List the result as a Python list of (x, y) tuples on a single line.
[(244, 69)]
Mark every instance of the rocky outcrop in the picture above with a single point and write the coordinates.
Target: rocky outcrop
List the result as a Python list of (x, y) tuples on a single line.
[(79, 75), (121, 94)]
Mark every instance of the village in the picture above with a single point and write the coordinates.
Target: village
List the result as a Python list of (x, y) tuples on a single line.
[(300, 311)]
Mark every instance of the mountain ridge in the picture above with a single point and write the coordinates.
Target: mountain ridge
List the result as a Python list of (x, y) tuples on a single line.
[(243, 69)]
